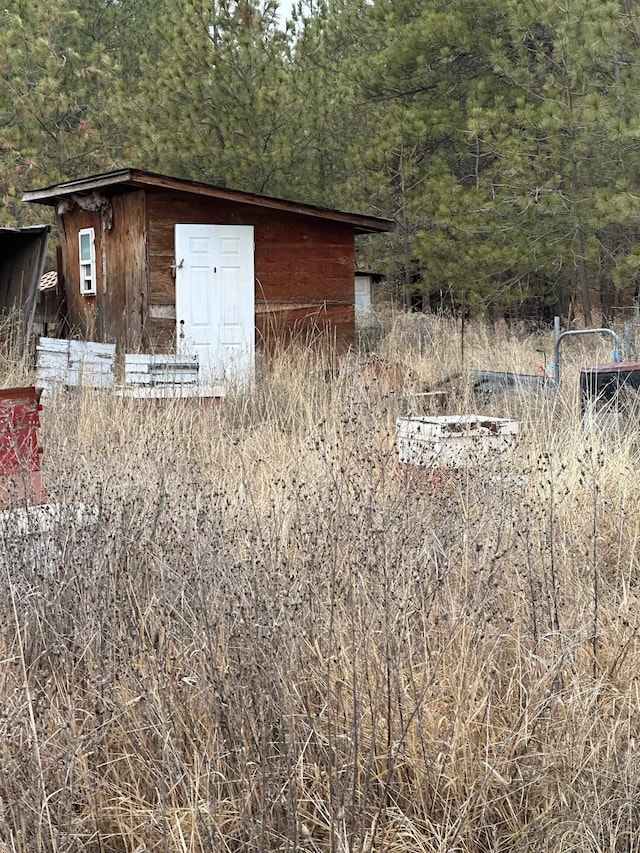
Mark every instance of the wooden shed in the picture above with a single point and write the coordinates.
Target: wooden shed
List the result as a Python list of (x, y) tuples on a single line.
[(22, 256), (161, 264)]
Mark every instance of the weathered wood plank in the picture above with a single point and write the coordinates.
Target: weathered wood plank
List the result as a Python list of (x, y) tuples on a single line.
[(91, 350), (162, 312), (269, 233), (173, 359), (310, 308), (160, 361), (117, 311), (136, 361), (53, 345), (127, 296), (161, 335), (132, 377), (162, 286), (81, 310), (177, 377), (334, 324), (172, 392)]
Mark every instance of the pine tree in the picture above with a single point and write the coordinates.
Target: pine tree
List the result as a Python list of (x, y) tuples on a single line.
[(521, 121), (329, 120), (56, 78), (212, 102), (418, 84), (563, 156)]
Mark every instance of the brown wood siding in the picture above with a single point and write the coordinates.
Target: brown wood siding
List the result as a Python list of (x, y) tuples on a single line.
[(117, 313), (306, 325), (82, 311), (298, 261), (161, 335), (126, 294)]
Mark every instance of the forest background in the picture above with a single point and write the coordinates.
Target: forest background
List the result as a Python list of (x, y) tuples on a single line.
[(501, 135)]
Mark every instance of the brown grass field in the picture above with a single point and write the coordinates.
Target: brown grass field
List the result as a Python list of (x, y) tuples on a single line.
[(273, 639)]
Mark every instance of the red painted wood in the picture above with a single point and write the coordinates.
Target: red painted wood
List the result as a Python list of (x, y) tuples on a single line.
[(19, 419)]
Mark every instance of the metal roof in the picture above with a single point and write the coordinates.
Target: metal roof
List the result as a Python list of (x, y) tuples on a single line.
[(27, 230), (111, 183)]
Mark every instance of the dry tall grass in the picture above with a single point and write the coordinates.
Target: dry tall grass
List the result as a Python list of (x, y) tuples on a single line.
[(274, 639)]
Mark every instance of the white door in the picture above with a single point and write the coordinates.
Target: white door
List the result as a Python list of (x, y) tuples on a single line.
[(215, 299)]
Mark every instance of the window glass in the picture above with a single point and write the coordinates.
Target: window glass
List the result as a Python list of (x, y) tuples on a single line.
[(85, 247), (363, 291)]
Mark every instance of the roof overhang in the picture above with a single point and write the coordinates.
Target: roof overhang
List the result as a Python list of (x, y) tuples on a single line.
[(12, 238), (27, 231), (123, 180)]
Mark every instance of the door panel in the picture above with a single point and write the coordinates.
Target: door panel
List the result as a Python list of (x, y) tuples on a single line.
[(215, 298)]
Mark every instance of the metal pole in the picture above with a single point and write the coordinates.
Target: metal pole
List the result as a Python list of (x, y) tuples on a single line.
[(556, 338), (628, 341)]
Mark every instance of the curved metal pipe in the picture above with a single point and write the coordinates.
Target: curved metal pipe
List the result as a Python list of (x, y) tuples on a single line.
[(560, 338)]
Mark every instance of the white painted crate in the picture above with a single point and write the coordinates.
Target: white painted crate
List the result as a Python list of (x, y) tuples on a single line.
[(454, 441), (32, 537), (172, 392), (162, 369), (62, 363)]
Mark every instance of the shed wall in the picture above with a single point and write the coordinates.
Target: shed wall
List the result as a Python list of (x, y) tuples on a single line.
[(117, 313), (126, 246), (83, 314), (303, 267)]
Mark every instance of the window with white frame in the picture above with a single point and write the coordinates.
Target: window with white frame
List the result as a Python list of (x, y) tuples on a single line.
[(363, 292), (87, 246)]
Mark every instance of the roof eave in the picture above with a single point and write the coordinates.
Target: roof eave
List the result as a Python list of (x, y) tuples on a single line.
[(50, 195), (25, 229), (135, 178)]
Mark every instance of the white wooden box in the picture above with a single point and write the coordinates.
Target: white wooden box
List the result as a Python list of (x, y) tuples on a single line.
[(73, 363), (454, 441), (163, 369)]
